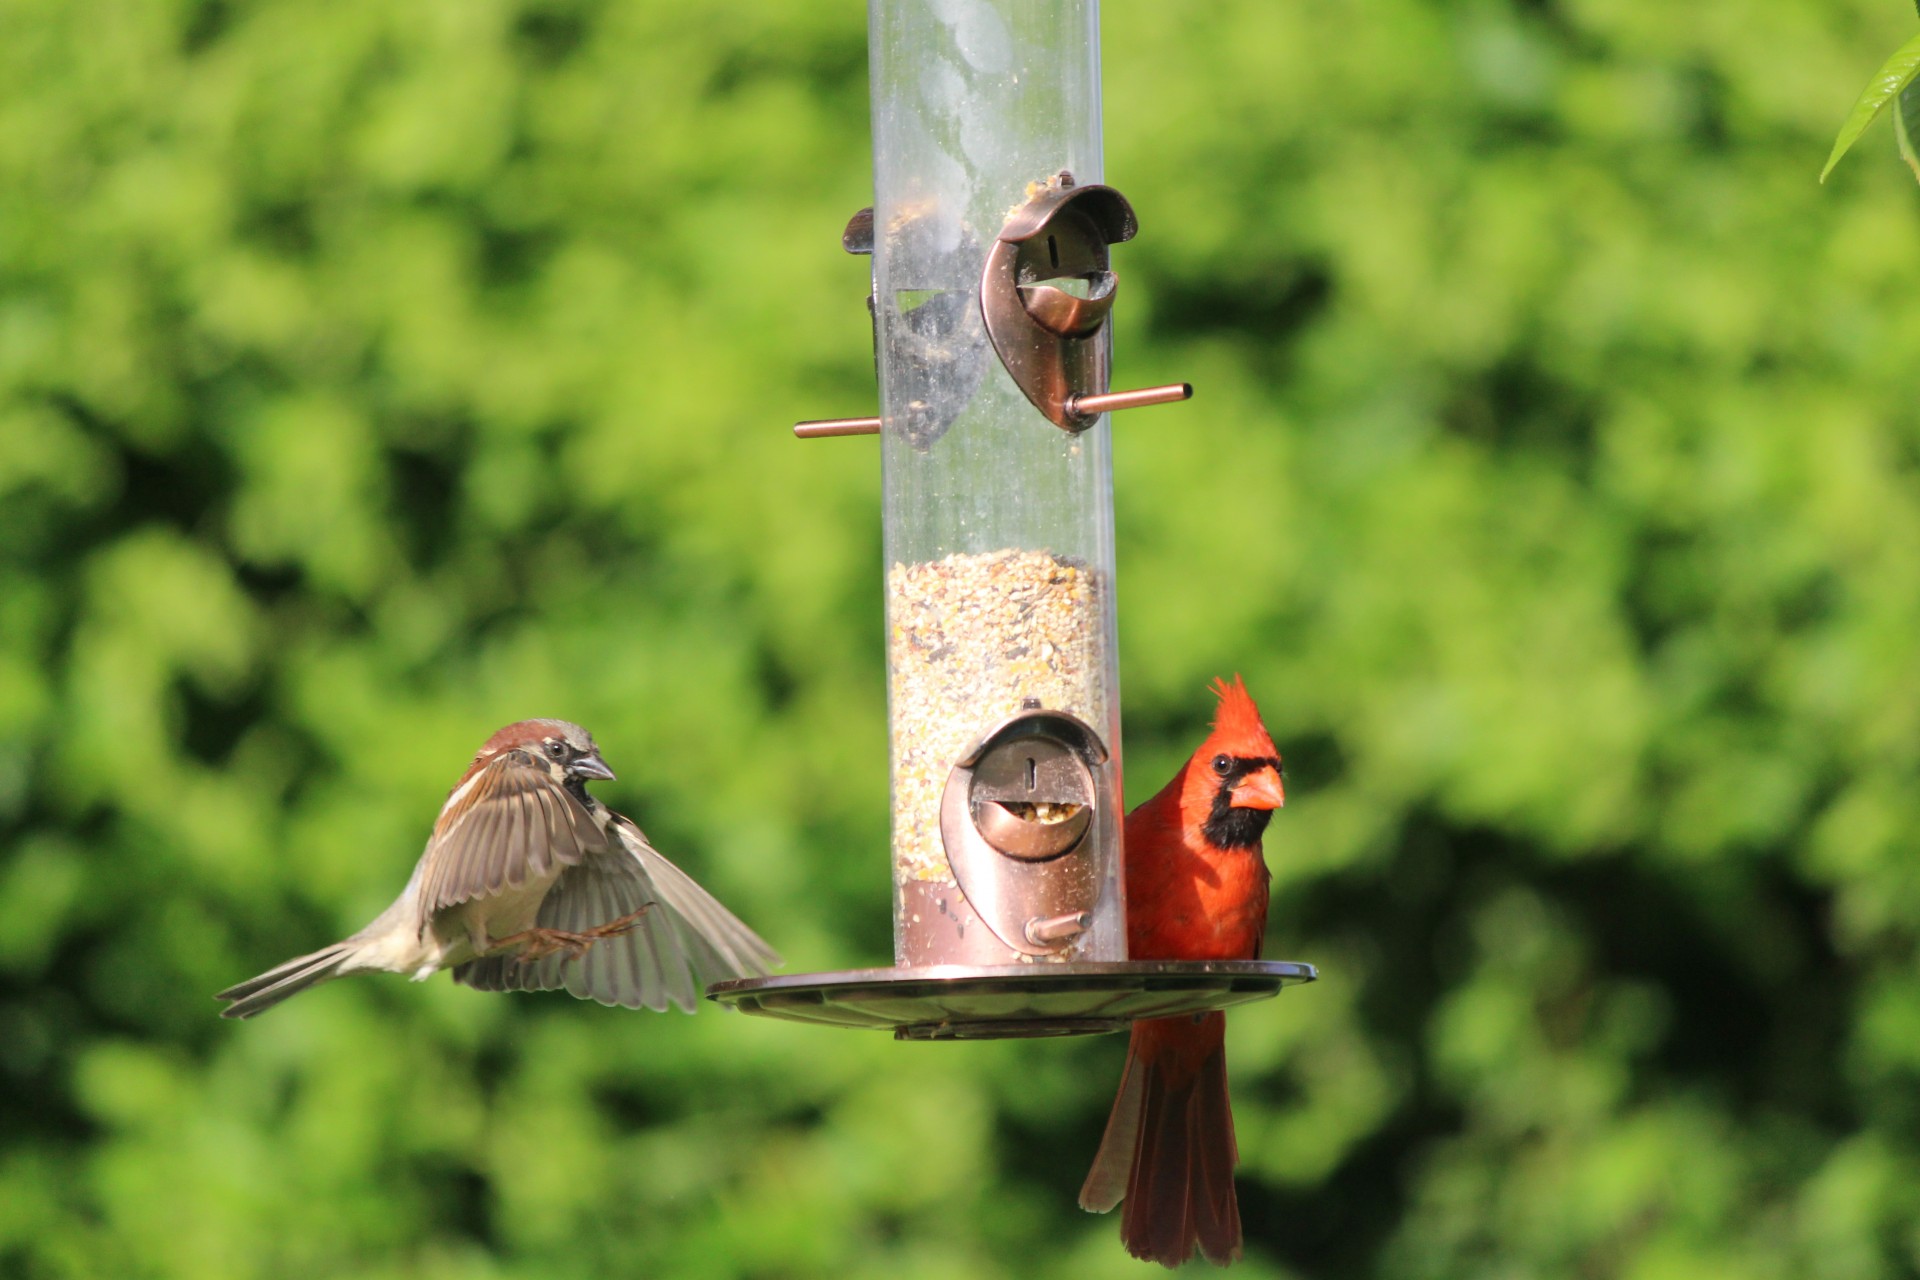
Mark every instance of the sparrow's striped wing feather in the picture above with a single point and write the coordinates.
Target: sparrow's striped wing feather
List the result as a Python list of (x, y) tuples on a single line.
[(716, 943), (685, 941), (512, 821)]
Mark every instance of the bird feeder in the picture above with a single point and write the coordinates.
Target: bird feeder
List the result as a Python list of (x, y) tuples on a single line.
[(992, 290)]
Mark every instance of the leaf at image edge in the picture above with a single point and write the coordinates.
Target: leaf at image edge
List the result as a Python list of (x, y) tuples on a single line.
[(1897, 73), (1906, 122)]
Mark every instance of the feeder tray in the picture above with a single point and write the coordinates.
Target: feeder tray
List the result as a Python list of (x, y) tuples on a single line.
[(1000, 1002)]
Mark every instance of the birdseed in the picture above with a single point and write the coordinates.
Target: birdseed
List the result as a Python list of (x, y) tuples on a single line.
[(969, 639)]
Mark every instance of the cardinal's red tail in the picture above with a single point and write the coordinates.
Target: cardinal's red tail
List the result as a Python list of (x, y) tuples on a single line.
[(1169, 1149)]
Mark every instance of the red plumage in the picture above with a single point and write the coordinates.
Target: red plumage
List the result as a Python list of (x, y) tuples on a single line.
[(1196, 890)]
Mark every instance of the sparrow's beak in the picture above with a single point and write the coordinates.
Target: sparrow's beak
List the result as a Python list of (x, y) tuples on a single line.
[(591, 766), (1261, 790)]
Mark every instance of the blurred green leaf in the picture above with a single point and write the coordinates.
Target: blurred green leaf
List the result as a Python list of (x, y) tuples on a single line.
[(1893, 76)]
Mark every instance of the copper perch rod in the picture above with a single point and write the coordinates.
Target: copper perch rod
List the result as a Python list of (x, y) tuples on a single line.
[(837, 427), (1083, 406), (1087, 406)]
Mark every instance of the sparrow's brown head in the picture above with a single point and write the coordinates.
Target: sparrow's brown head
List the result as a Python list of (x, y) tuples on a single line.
[(563, 745)]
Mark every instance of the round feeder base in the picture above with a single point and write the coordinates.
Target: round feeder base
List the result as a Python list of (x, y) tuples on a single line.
[(1001, 1002)]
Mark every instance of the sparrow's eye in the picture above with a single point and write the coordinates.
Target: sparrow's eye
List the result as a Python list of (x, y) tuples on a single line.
[(1223, 765), (557, 749)]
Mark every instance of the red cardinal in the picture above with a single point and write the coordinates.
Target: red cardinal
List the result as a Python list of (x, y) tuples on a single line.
[(1196, 890)]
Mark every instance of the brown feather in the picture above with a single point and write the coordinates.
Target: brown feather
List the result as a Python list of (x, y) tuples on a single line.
[(514, 818), (685, 941)]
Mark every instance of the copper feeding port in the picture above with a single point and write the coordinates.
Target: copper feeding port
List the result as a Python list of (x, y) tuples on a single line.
[(1032, 797), (1046, 291), (1017, 821)]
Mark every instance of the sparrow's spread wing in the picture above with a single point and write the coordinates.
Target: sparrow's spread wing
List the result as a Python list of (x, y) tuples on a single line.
[(510, 822), (685, 941)]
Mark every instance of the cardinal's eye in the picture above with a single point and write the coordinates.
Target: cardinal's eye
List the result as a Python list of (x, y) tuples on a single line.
[(1223, 765), (556, 749)]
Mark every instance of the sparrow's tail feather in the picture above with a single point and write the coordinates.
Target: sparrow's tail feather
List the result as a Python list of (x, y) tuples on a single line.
[(1169, 1147), (276, 984)]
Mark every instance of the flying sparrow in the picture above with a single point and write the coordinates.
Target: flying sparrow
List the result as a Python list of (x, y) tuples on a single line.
[(530, 884)]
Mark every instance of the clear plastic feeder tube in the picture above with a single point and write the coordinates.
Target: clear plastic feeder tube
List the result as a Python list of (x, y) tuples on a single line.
[(998, 524)]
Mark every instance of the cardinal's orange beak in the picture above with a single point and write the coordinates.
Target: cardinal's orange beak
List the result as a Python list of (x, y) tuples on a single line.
[(1262, 790)]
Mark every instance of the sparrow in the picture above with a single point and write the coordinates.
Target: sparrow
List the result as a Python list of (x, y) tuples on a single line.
[(529, 883), (1196, 890)]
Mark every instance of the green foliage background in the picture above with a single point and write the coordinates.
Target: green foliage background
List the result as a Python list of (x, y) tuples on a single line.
[(374, 373)]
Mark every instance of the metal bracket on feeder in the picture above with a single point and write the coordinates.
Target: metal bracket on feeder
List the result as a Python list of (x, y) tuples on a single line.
[(1014, 820)]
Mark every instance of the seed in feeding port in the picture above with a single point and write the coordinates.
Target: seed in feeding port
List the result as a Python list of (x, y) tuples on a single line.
[(1042, 812)]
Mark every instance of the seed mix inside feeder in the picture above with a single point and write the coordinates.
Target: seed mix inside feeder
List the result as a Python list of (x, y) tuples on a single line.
[(992, 288)]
